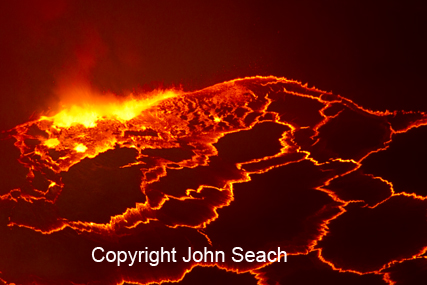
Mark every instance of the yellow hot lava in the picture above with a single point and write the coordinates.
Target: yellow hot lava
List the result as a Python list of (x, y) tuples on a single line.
[(51, 143), (80, 148), (89, 112)]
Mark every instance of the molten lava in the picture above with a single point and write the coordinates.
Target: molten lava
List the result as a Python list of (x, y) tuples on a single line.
[(258, 162), (89, 113)]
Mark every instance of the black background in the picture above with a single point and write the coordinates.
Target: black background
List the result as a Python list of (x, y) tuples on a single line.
[(371, 52)]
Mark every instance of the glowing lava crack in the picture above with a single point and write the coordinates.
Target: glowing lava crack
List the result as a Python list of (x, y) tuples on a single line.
[(258, 163)]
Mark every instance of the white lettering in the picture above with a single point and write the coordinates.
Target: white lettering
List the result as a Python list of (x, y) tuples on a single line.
[(235, 253), (268, 256), (132, 259), (189, 256), (93, 254), (120, 259), (108, 253)]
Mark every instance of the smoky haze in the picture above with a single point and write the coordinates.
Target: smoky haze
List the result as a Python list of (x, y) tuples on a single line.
[(373, 54)]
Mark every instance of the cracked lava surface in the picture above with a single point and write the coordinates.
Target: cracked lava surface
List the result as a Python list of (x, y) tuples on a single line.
[(257, 162)]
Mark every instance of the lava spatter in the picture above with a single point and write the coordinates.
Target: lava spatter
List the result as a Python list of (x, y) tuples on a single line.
[(257, 163)]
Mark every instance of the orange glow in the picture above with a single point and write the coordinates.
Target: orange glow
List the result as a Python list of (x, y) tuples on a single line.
[(194, 122), (89, 111), (80, 148), (51, 143)]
